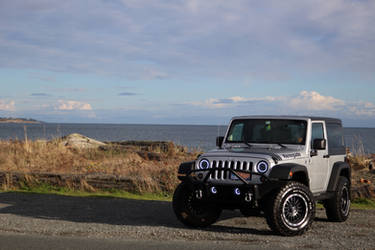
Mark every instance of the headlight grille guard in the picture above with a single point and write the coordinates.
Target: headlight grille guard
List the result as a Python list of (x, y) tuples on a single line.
[(211, 170)]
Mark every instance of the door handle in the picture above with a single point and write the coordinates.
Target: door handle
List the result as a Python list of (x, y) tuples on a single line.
[(325, 156)]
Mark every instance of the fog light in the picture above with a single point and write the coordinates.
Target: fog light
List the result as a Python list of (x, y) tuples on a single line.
[(213, 190), (237, 191)]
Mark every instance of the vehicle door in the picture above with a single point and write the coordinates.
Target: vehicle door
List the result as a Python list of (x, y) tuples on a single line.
[(318, 168)]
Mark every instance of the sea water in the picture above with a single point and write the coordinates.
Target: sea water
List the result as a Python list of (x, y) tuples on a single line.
[(193, 136)]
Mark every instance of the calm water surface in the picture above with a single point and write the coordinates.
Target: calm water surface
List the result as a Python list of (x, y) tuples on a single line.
[(192, 136)]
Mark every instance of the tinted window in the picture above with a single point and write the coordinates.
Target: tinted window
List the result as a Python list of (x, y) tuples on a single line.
[(317, 132), (335, 139), (267, 131)]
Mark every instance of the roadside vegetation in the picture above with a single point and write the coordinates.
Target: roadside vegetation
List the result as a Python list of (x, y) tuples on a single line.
[(363, 203), (44, 188), (151, 165)]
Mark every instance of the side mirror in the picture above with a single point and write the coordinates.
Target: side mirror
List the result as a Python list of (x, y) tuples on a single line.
[(319, 144), (219, 141)]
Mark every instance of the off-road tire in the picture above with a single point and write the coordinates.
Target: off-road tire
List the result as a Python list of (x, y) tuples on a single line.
[(338, 207), (190, 211), (291, 210)]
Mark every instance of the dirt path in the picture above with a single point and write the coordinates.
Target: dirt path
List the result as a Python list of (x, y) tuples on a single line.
[(151, 221)]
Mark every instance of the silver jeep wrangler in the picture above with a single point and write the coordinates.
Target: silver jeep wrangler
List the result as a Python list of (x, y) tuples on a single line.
[(279, 166)]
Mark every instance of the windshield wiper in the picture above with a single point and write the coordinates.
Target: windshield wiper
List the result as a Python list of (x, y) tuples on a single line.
[(248, 144), (266, 142)]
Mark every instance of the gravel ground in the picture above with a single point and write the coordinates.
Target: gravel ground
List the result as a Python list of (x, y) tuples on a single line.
[(121, 219)]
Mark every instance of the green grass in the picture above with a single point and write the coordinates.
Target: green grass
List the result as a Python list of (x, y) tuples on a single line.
[(48, 189), (360, 203)]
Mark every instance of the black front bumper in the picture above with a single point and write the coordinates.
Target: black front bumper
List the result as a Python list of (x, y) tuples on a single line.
[(233, 193)]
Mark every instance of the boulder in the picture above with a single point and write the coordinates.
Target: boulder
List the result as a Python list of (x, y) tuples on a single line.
[(80, 141)]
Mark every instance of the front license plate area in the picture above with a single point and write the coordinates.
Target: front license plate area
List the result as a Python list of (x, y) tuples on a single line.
[(246, 176)]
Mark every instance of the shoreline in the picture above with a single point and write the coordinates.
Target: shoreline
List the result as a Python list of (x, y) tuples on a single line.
[(20, 121)]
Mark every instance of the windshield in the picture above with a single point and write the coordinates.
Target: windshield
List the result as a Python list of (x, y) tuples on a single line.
[(267, 131)]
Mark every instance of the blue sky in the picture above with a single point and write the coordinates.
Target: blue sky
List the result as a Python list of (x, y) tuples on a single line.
[(187, 62)]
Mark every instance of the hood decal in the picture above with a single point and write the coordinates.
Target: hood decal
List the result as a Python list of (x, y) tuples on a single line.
[(291, 155)]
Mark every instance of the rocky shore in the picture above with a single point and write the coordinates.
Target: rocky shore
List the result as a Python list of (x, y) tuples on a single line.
[(18, 120)]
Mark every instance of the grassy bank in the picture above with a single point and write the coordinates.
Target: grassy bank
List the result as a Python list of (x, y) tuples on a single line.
[(113, 193), (153, 166), (362, 203)]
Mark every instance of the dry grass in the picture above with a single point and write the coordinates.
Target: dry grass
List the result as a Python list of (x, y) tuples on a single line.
[(358, 158), (153, 168), (152, 165), (362, 164), (358, 162)]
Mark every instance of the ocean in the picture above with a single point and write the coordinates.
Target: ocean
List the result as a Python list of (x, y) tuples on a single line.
[(200, 137)]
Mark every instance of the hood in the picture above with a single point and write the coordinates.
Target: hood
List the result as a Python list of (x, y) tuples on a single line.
[(277, 154)]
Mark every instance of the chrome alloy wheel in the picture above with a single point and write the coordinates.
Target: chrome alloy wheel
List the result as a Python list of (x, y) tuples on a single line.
[(295, 210)]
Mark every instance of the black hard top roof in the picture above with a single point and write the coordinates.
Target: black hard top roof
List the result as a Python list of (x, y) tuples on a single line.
[(291, 117)]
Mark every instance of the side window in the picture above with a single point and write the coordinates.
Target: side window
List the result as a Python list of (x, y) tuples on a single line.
[(317, 132), (336, 144), (335, 137)]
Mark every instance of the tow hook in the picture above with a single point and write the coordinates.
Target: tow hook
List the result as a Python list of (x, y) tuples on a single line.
[(248, 197), (198, 194)]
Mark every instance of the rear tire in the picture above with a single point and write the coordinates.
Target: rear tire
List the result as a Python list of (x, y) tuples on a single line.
[(291, 210), (190, 211), (338, 208)]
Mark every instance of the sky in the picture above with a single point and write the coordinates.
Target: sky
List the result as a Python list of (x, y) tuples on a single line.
[(186, 62)]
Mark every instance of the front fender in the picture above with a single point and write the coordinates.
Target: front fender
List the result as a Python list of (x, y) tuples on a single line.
[(184, 169), (289, 171)]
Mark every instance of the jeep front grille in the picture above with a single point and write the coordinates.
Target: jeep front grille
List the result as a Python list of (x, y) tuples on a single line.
[(223, 174)]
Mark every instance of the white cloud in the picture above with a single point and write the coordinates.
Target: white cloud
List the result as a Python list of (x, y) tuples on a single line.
[(233, 101), (7, 105), (363, 109), (307, 102), (315, 101), (72, 105), (151, 74), (181, 37)]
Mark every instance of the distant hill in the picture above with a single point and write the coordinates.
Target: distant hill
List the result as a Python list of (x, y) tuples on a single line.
[(17, 120)]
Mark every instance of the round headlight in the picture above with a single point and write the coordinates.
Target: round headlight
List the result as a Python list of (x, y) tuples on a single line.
[(262, 167), (204, 164)]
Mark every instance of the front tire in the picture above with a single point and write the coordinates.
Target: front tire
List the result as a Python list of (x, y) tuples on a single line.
[(291, 210), (338, 208), (191, 211)]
